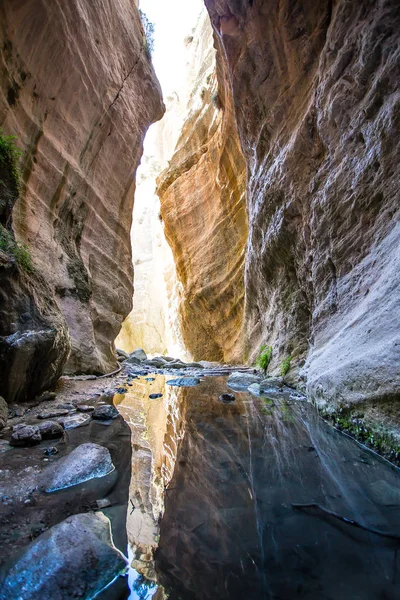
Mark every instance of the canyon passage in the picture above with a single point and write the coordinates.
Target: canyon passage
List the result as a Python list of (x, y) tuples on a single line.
[(199, 299)]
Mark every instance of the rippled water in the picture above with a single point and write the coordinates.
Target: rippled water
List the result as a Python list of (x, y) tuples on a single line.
[(212, 493)]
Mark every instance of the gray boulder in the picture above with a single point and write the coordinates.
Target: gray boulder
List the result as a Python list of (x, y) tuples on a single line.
[(27, 435), (56, 412), (105, 412), (74, 559), (121, 354), (46, 397), (241, 381), (3, 413), (87, 461), (271, 382), (49, 430), (73, 421), (139, 353)]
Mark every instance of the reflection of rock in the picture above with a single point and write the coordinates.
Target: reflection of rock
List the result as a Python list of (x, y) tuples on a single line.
[(155, 426), (74, 559), (86, 462)]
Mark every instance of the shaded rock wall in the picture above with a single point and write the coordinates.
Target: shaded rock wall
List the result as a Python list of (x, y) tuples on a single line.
[(78, 89), (317, 105), (203, 209)]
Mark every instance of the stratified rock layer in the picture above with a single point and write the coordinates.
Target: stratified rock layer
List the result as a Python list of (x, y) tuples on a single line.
[(203, 209), (79, 91), (315, 88)]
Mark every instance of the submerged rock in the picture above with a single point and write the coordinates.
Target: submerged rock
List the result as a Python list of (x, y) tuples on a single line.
[(50, 430), (226, 398), (105, 412), (241, 381), (73, 559), (184, 381), (27, 435), (87, 461), (3, 412)]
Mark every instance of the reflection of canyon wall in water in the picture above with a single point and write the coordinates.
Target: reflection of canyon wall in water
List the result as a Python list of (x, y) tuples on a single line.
[(202, 205), (156, 427), (78, 89), (229, 529), (316, 96)]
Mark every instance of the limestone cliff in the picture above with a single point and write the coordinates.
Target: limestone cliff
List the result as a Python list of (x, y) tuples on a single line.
[(315, 88), (78, 90), (203, 209)]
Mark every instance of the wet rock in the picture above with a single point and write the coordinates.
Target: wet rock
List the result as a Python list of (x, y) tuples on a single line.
[(133, 361), (120, 390), (105, 412), (156, 362), (85, 408), (66, 406), (150, 379), (73, 421), (46, 397), (74, 559), (49, 414), (195, 365), (3, 413), (176, 365), (49, 430), (87, 461), (51, 451), (241, 381), (121, 354), (184, 381), (28, 435), (155, 396), (226, 398), (271, 382), (140, 354)]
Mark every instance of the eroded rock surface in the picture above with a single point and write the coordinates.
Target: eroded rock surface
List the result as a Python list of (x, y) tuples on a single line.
[(203, 209), (79, 91), (315, 90)]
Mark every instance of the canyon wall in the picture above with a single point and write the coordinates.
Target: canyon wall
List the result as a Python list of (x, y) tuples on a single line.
[(202, 195), (317, 106), (78, 90)]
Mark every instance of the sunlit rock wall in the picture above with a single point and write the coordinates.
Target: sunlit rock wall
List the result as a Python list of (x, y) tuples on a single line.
[(317, 104), (78, 89), (203, 208), (153, 323)]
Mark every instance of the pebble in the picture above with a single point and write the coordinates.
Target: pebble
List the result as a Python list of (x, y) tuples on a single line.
[(155, 396)]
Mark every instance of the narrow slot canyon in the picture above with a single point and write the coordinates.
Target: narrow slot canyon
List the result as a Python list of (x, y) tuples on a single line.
[(199, 300)]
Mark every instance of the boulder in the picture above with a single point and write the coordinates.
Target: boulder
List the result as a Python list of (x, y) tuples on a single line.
[(56, 412), (73, 421), (138, 353), (241, 381), (85, 408), (27, 435), (271, 382), (87, 461), (105, 412), (49, 430), (3, 413), (121, 354), (46, 397), (74, 559)]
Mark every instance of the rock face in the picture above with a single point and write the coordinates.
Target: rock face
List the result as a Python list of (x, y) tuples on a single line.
[(203, 210), (315, 90), (79, 91), (74, 559)]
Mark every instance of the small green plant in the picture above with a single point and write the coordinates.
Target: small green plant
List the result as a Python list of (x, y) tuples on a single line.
[(148, 28), (264, 357), (285, 366), (9, 173), (13, 248)]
